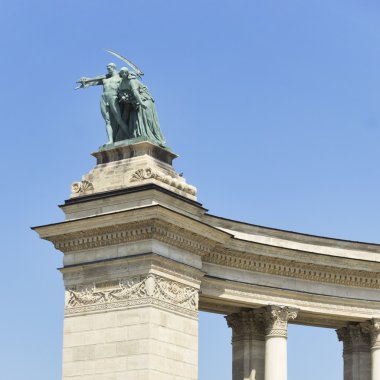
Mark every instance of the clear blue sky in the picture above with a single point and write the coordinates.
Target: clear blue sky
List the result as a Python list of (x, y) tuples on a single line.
[(273, 107)]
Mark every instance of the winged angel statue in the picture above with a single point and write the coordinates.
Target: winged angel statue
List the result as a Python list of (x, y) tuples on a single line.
[(126, 104)]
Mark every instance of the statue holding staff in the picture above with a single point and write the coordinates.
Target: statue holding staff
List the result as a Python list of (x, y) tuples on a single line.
[(126, 104)]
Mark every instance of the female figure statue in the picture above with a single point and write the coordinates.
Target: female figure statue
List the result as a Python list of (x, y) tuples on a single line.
[(139, 109)]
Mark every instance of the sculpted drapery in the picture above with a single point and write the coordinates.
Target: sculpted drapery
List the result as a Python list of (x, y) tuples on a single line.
[(139, 109)]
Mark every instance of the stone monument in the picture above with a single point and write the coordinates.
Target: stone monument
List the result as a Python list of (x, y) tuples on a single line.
[(141, 256)]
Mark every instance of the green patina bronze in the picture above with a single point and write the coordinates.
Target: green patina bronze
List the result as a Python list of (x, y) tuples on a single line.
[(126, 105)]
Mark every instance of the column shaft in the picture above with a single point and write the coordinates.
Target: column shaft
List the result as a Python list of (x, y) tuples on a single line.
[(276, 320), (276, 366), (376, 363)]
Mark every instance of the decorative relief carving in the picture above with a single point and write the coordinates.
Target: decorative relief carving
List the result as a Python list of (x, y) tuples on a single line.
[(151, 289), (289, 268), (247, 325), (142, 174), (148, 173), (82, 187), (129, 232), (276, 320), (211, 253)]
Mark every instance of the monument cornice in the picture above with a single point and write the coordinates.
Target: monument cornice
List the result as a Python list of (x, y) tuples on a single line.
[(239, 227), (266, 249), (213, 245), (153, 229), (150, 222)]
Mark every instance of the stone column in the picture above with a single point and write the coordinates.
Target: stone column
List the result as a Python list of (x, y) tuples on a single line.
[(276, 322), (356, 351), (248, 345), (373, 328)]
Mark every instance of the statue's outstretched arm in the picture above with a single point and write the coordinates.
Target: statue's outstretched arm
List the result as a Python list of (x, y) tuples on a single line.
[(87, 82)]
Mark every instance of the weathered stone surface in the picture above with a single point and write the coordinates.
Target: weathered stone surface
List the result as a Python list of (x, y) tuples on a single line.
[(127, 166), (139, 251)]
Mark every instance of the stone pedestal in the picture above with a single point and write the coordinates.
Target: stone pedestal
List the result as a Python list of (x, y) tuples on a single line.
[(131, 269), (128, 166), (276, 320), (356, 352), (248, 345)]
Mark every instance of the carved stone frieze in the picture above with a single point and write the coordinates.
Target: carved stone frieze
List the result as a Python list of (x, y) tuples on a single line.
[(152, 289), (174, 181), (294, 269), (276, 320), (131, 232), (213, 253), (247, 325)]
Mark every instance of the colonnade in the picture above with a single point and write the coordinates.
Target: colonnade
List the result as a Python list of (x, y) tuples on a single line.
[(259, 345)]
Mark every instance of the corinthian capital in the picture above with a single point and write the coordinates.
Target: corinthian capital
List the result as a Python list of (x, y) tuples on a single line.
[(276, 320), (355, 337), (373, 328), (246, 325)]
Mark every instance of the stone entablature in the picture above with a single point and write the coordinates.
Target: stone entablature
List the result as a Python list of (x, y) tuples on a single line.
[(291, 268), (213, 245)]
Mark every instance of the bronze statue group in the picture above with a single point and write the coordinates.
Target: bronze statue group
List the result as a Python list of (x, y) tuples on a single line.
[(126, 105)]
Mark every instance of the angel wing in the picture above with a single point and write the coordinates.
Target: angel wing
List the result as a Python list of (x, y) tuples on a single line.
[(138, 72)]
